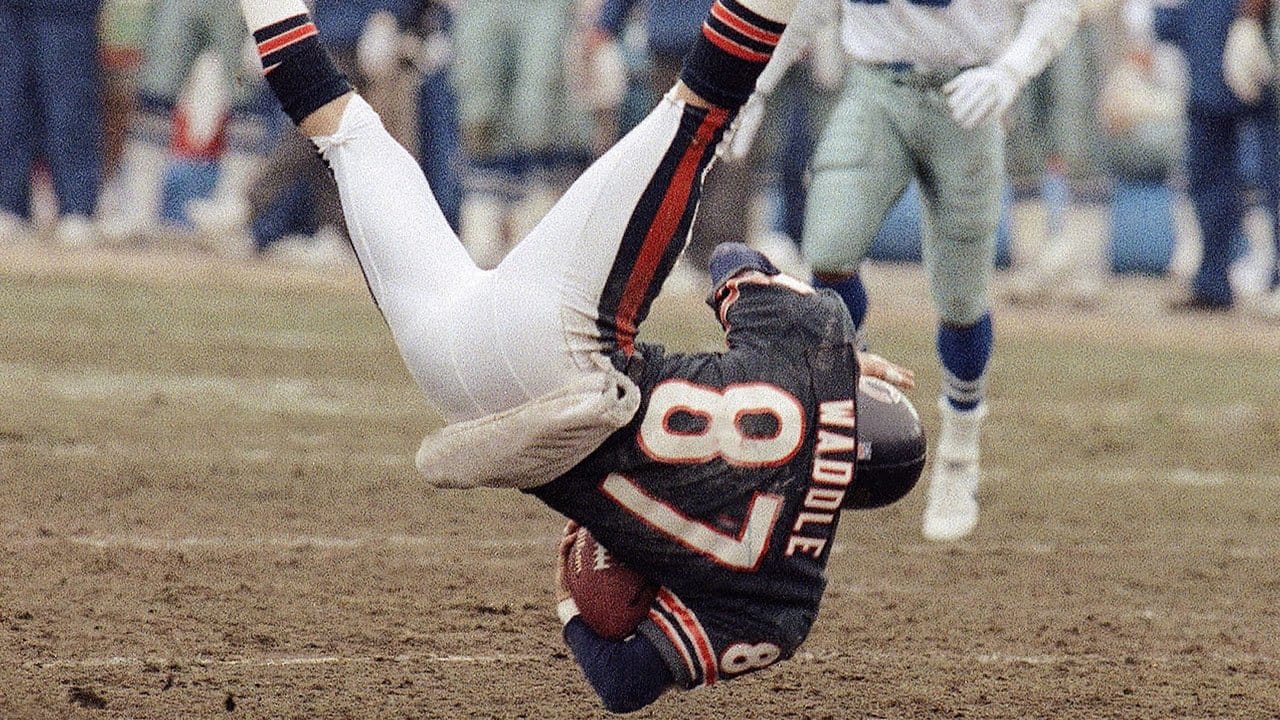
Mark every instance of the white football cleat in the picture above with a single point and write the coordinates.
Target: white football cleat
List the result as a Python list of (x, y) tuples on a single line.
[(951, 508)]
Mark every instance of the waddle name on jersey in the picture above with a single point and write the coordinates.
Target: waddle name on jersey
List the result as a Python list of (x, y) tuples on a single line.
[(833, 461)]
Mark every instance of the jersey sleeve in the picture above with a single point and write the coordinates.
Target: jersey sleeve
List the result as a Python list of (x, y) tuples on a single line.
[(706, 640), (627, 674), (780, 319)]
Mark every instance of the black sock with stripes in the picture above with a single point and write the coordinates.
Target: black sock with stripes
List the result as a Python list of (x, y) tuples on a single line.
[(728, 55), (297, 68)]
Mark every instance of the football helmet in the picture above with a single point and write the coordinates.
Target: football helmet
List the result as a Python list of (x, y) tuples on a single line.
[(891, 446)]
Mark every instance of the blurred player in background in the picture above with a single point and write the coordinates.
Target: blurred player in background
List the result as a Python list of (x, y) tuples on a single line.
[(1050, 140), (924, 98), (1248, 67), (50, 111), (671, 27), (508, 69), (1140, 103), (719, 475), (189, 44), (1218, 125)]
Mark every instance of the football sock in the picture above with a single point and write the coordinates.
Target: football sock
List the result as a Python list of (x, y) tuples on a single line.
[(854, 295), (294, 63), (965, 352), (737, 39)]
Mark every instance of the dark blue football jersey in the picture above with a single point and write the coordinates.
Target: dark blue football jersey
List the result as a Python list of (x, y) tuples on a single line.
[(726, 487)]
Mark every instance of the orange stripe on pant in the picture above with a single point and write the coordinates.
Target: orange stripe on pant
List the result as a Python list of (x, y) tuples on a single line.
[(660, 234)]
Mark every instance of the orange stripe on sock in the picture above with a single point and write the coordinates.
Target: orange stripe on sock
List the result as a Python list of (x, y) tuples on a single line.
[(284, 40), (737, 50), (725, 16)]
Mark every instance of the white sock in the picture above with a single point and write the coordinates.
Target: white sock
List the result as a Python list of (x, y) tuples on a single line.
[(775, 10), (261, 13)]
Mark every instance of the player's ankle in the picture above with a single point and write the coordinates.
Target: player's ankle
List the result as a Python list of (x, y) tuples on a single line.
[(729, 53), (299, 71)]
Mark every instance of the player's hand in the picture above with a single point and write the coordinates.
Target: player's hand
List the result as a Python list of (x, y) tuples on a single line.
[(1246, 62), (875, 366), (981, 95), (566, 547), (744, 128)]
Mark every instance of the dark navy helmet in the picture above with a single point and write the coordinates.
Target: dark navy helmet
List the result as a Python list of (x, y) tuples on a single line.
[(891, 446)]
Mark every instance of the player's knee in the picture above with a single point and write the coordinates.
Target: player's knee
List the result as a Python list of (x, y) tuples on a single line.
[(971, 229)]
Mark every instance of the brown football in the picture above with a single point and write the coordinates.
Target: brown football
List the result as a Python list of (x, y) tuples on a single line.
[(612, 598)]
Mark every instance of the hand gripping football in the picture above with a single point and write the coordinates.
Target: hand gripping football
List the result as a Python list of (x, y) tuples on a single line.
[(612, 598)]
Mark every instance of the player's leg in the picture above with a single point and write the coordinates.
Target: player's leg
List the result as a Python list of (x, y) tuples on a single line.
[(172, 44), (17, 115), (481, 58), (226, 37), (609, 243), (860, 170), (411, 258), (1269, 137), (961, 215), (536, 109), (1214, 186), (71, 110)]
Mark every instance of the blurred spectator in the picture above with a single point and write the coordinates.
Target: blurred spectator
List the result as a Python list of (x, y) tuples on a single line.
[(293, 187), (1053, 138), (1249, 68), (156, 152), (724, 212), (508, 72), (439, 140), (1217, 122), (123, 26), (50, 110)]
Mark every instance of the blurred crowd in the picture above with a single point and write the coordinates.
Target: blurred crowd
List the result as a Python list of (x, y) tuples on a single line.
[(138, 120)]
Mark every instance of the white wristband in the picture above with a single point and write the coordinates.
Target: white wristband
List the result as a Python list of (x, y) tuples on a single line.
[(567, 609)]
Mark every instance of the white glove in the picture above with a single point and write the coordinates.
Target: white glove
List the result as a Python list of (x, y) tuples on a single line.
[(378, 48), (1246, 63), (742, 133), (981, 95)]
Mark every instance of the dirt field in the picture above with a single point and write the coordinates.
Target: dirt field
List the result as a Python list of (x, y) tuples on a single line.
[(208, 509)]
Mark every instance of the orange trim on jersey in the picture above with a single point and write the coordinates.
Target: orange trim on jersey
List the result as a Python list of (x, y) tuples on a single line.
[(670, 631), (284, 40), (663, 228), (724, 15), (733, 48), (691, 627)]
